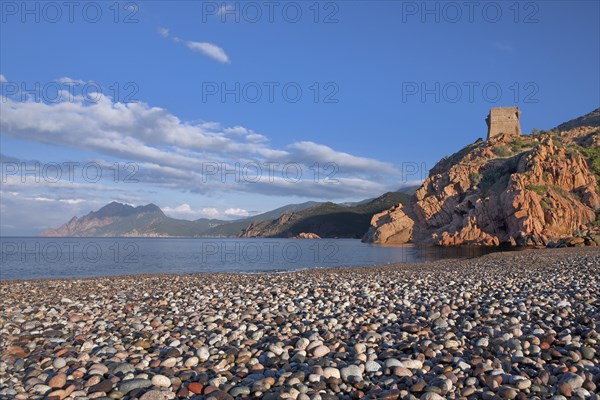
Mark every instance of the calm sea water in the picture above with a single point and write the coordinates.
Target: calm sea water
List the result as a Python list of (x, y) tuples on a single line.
[(30, 258)]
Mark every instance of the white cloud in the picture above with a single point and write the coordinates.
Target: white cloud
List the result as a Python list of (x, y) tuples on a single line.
[(185, 211), (174, 154), (31, 214), (48, 199), (3, 78), (184, 208), (315, 152), (72, 201), (164, 32), (210, 50), (209, 212), (67, 80), (237, 131), (256, 138), (237, 212)]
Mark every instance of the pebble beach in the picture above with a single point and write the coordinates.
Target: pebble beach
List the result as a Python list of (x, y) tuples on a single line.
[(514, 325)]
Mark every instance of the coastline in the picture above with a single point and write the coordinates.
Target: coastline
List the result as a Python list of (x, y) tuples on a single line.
[(506, 324), (71, 258), (340, 269)]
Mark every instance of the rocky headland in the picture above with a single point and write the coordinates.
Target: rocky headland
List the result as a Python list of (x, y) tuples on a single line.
[(523, 190)]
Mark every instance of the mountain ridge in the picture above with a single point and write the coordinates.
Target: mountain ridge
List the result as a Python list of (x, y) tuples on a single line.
[(123, 220), (117, 219), (326, 220)]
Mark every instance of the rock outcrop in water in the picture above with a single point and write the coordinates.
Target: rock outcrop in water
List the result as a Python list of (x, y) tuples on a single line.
[(519, 190), (307, 235)]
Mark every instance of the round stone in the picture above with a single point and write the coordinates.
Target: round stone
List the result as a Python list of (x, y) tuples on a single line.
[(331, 372), (302, 343), (192, 362), (154, 395), (203, 354), (430, 396), (239, 391), (360, 348), (351, 371), (506, 392), (132, 384), (169, 362), (320, 351), (372, 366), (58, 381), (161, 381)]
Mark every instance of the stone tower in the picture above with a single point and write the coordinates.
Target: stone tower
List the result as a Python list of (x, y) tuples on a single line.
[(503, 120)]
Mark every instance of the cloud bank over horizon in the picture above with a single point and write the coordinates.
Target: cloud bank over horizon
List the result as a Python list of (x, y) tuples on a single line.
[(170, 155)]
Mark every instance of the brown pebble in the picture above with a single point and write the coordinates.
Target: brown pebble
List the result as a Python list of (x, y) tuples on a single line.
[(565, 389), (57, 394), (58, 381), (195, 387)]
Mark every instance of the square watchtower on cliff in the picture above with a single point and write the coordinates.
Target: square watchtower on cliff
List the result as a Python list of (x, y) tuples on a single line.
[(503, 120)]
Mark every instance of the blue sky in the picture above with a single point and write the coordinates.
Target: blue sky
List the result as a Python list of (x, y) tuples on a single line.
[(379, 85)]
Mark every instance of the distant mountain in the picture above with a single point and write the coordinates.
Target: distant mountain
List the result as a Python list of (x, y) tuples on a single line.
[(116, 219), (410, 190), (235, 228), (328, 220)]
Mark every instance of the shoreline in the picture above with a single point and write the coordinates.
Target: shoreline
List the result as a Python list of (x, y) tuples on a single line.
[(411, 264), (505, 251), (506, 325)]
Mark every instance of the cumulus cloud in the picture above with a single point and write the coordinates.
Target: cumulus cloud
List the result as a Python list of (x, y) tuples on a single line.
[(185, 211), (3, 79), (164, 143), (237, 212)]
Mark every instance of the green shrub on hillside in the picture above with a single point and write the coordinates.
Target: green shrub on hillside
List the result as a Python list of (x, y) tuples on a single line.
[(539, 189), (546, 203), (592, 156), (516, 145), (597, 221), (572, 152), (502, 151), (474, 177)]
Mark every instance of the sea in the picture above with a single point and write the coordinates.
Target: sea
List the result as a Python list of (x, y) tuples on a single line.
[(24, 258)]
